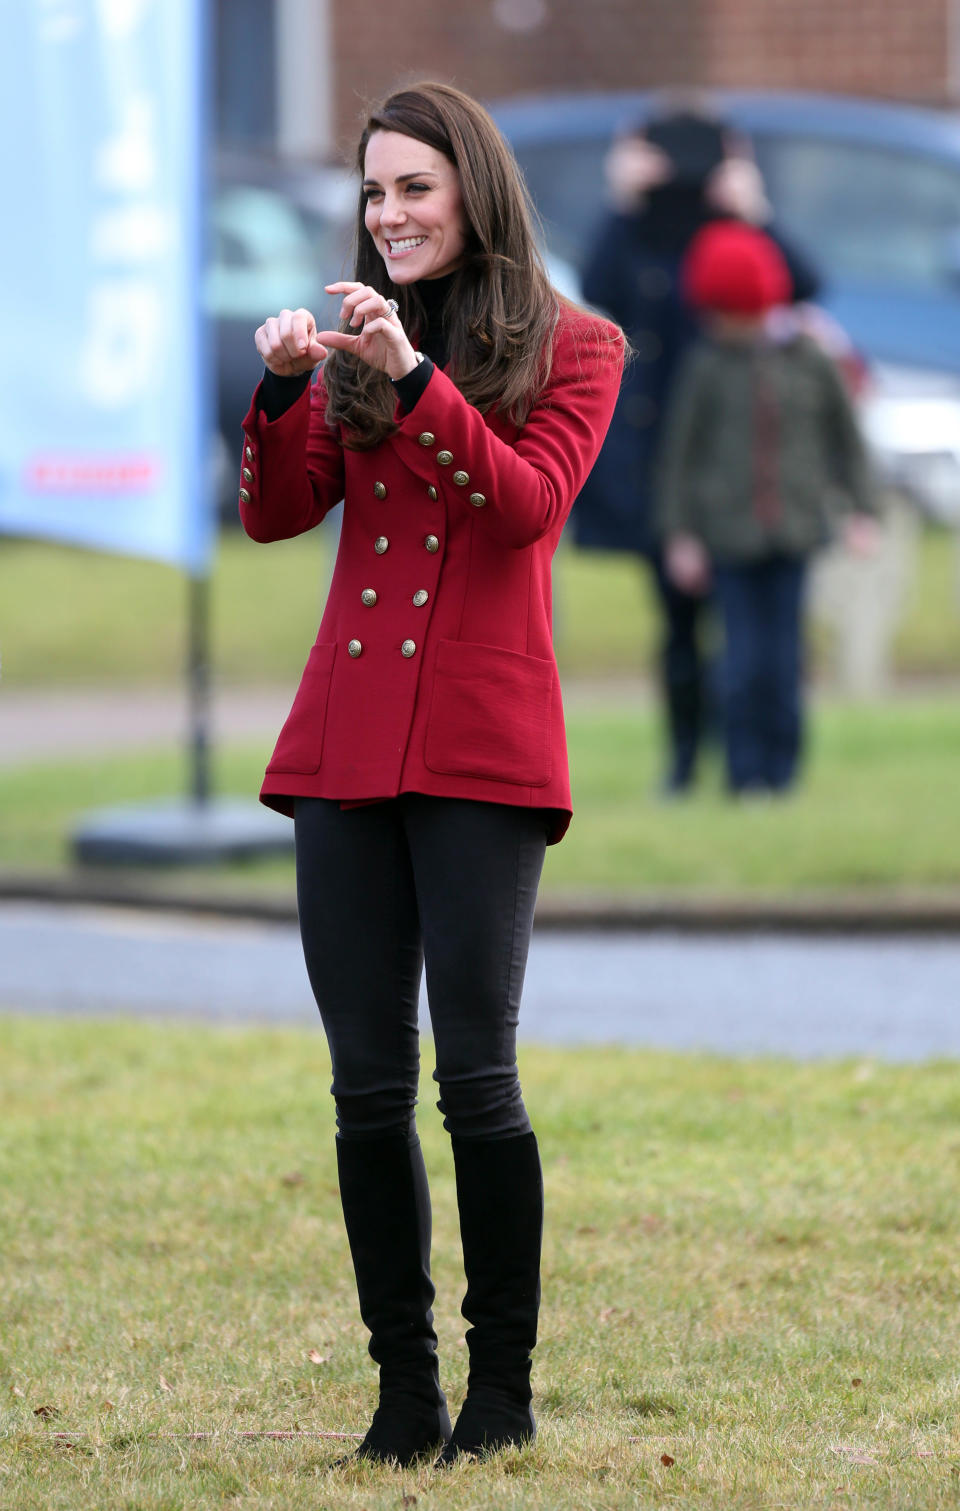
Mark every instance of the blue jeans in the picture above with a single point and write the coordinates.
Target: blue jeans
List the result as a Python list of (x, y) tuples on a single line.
[(761, 605)]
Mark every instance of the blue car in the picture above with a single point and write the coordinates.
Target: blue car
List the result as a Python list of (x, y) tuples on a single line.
[(870, 191)]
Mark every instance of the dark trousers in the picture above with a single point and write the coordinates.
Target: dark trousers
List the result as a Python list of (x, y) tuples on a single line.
[(761, 605), (685, 673), (385, 888)]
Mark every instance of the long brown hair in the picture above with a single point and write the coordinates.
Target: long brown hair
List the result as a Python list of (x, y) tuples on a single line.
[(501, 309)]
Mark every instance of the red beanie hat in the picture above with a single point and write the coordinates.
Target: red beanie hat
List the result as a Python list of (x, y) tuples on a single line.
[(735, 269)]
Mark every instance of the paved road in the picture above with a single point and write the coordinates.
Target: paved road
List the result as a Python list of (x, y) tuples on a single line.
[(896, 998)]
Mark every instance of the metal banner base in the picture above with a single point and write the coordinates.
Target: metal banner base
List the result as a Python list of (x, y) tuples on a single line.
[(178, 832)]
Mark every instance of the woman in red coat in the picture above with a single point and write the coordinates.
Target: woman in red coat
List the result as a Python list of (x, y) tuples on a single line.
[(460, 408)]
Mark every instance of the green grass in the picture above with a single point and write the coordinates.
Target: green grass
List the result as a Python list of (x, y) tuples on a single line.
[(876, 809), (750, 1270), (879, 808), (68, 615)]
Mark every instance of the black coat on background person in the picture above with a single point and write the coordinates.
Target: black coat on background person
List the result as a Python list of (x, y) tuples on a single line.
[(633, 274)]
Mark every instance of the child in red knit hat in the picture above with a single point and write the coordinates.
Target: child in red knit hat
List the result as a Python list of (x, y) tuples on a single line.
[(762, 457)]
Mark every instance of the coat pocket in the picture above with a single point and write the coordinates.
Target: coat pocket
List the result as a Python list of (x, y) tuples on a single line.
[(300, 746), (490, 714)]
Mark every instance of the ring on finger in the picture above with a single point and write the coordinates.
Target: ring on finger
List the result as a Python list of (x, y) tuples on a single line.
[(392, 307)]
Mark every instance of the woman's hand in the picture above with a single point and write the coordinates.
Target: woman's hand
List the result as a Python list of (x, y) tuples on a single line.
[(288, 343), (861, 534), (688, 565), (380, 339), (736, 187), (633, 167)]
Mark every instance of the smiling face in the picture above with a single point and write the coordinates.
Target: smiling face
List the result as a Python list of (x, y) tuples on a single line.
[(414, 209)]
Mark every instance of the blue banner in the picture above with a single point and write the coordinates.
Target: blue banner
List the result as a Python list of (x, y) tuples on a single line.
[(104, 403)]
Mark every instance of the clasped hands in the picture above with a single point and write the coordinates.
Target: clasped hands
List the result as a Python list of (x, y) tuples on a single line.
[(290, 344)]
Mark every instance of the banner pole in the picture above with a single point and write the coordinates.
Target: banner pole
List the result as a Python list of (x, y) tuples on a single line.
[(198, 686), (198, 580)]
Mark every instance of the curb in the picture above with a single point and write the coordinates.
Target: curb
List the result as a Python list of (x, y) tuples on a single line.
[(828, 913)]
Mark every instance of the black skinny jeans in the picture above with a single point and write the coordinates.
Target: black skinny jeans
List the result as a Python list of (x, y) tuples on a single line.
[(385, 888)]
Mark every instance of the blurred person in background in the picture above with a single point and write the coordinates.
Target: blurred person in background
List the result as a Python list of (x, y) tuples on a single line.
[(461, 406), (667, 178), (761, 459)]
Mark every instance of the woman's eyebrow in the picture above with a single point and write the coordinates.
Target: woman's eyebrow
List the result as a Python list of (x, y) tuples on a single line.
[(401, 178)]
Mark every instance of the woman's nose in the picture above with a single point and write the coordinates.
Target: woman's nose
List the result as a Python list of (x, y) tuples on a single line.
[(391, 211)]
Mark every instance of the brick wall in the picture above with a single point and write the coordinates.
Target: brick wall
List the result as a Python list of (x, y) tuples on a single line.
[(884, 48), (503, 47), (866, 47)]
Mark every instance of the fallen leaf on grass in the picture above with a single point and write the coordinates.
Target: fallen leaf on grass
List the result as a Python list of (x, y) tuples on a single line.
[(165, 1384), (852, 1455), (606, 1313), (106, 1405), (409, 1500), (667, 1460), (856, 1381), (316, 1357), (46, 1412), (293, 1178)]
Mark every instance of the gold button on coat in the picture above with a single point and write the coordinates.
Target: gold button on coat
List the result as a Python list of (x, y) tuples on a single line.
[(427, 438), (248, 453), (408, 648), (432, 493), (247, 475), (477, 500), (380, 489), (354, 648), (444, 458), (244, 496), (461, 479), (420, 597), (381, 544), (369, 597), (431, 543)]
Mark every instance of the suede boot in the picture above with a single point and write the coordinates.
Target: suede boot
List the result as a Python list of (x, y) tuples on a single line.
[(500, 1197), (386, 1208)]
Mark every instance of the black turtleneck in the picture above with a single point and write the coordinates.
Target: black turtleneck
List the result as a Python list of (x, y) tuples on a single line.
[(278, 394), (433, 296)]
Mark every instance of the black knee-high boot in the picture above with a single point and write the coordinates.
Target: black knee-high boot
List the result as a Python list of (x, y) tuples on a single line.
[(386, 1207), (500, 1197)]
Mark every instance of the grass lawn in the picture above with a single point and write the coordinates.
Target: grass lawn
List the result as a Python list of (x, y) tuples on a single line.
[(751, 1281), (879, 808)]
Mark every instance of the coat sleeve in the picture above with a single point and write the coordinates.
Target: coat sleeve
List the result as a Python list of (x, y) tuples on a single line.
[(296, 463), (848, 454), (687, 417), (522, 488), (609, 278)]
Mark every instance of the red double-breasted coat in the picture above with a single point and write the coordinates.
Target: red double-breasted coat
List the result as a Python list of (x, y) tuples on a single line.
[(433, 670)]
